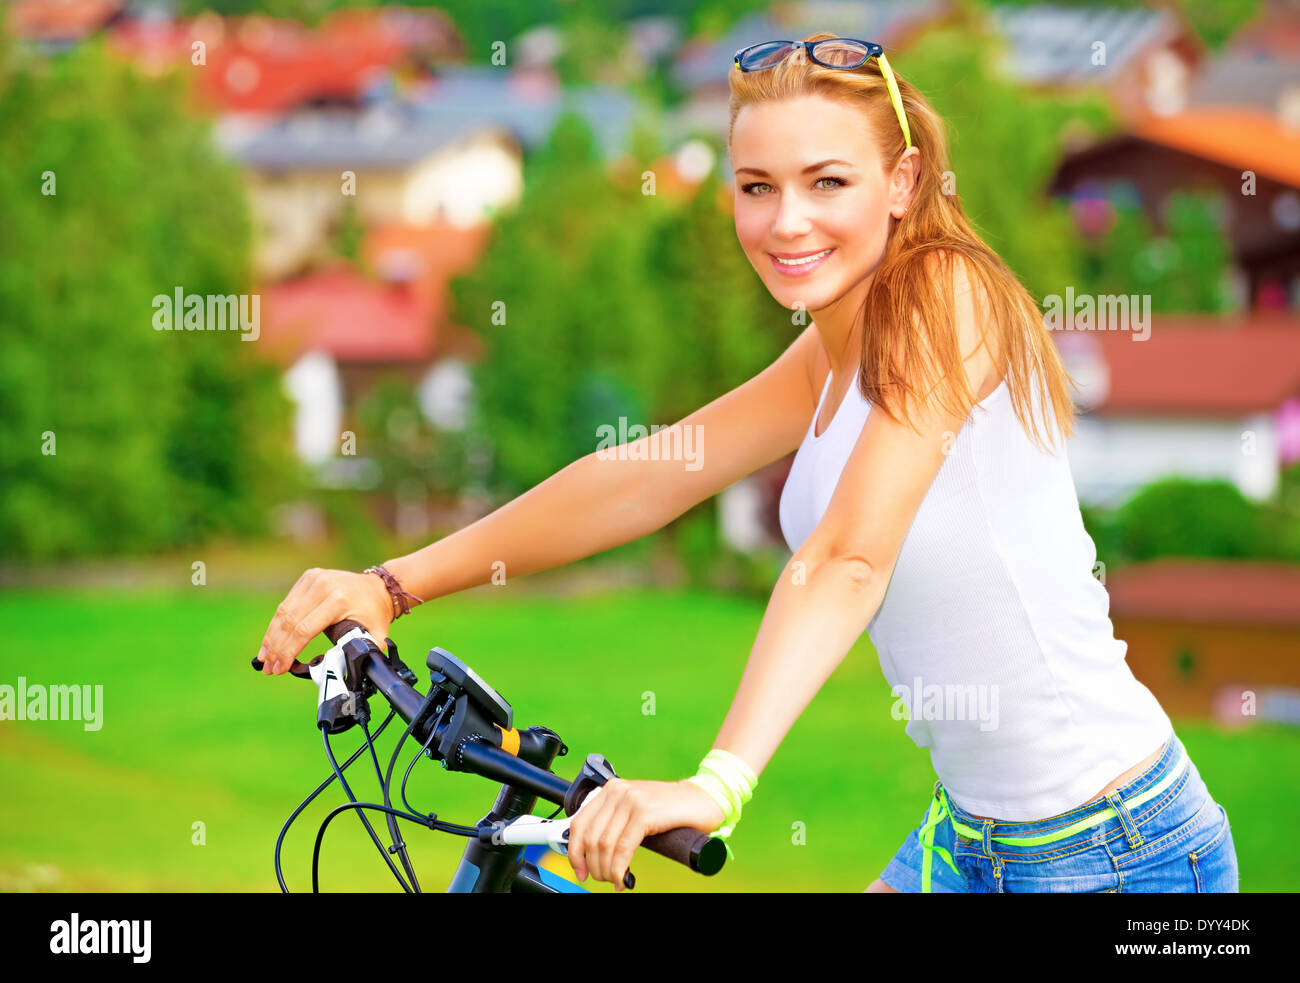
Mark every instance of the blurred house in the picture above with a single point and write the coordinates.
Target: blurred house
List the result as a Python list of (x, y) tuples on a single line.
[(1238, 135), (1215, 636), (1200, 397), (389, 164), (338, 332), (447, 147), (1143, 59), (1247, 156)]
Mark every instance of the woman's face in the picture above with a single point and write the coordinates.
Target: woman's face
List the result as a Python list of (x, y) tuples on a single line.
[(809, 180)]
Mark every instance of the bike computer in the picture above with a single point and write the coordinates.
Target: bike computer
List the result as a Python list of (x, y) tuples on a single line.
[(467, 680)]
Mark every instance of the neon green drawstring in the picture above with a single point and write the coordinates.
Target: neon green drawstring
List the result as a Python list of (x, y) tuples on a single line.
[(936, 816), (928, 846)]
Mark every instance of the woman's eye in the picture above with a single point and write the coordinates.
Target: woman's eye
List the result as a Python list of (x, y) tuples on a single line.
[(748, 188)]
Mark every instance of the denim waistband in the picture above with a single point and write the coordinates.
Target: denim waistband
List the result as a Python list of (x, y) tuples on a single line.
[(1141, 790)]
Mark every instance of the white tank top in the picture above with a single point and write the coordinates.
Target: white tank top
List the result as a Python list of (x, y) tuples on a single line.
[(994, 632)]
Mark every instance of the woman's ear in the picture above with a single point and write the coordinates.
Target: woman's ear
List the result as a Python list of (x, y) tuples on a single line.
[(902, 186)]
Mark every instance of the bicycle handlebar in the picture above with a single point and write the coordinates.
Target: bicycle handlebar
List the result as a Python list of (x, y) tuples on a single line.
[(699, 851)]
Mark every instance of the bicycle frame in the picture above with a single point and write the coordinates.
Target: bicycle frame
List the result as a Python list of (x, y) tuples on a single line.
[(486, 868)]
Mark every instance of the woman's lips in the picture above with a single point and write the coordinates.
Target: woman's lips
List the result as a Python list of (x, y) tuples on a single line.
[(803, 268)]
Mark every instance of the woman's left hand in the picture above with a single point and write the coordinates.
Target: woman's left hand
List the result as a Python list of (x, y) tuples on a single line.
[(606, 831)]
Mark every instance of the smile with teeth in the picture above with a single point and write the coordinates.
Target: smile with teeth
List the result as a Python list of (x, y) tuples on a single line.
[(803, 261)]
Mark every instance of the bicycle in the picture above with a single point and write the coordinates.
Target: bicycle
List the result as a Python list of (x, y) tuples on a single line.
[(467, 726)]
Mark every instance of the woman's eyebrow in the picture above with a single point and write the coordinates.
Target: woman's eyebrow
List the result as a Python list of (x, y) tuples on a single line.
[(807, 170)]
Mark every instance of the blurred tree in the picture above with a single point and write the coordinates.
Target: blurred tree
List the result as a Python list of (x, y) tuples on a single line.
[(595, 49), (114, 195), (349, 232), (396, 435)]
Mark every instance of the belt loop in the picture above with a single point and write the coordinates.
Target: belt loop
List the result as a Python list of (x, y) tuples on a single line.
[(1131, 831), (988, 838)]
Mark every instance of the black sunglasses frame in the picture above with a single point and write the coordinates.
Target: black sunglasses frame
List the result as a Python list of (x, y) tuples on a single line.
[(874, 50)]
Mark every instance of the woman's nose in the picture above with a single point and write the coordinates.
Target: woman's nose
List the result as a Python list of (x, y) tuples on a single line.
[(791, 220)]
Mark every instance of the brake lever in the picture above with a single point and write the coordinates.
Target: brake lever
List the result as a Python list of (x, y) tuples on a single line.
[(300, 669)]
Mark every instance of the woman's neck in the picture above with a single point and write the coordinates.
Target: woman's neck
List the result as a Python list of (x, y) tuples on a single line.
[(840, 326)]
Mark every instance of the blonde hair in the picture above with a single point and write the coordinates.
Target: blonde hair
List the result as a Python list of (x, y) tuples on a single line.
[(914, 280)]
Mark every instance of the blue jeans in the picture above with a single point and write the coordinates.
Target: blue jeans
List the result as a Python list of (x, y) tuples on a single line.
[(1178, 840)]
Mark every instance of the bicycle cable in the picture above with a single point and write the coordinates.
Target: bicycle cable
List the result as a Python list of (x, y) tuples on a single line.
[(430, 822), (418, 754), (279, 840), (399, 845), (386, 780), (347, 789)]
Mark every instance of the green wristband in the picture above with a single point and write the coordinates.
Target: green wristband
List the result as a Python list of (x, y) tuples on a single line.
[(730, 782)]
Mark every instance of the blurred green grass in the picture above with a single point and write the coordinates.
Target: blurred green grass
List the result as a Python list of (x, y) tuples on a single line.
[(192, 735)]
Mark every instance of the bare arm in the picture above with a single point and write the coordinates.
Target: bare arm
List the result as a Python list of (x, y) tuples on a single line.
[(586, 507), (597, 503)]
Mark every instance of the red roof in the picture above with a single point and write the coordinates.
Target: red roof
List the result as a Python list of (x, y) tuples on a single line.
[(1244, 138), (350, 317), (258, 64), (1198, 365), (399, 315), (1208, 591)]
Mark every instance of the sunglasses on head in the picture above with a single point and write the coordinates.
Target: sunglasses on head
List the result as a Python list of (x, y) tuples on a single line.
[(846, 53)]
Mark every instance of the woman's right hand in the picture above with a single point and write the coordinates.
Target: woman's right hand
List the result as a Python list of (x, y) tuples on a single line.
[(319, 599)]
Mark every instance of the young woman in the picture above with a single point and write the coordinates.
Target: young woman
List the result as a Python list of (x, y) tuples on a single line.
[(930, 504)]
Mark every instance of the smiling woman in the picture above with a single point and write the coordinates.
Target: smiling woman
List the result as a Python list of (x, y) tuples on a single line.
[(930, 504), (932, 507)]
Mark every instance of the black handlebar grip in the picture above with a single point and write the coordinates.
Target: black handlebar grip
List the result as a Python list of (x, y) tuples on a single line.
[(300, 669), (699, 851), (337, 631)]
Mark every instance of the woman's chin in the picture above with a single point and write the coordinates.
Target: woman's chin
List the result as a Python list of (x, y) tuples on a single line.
[(794, 299)]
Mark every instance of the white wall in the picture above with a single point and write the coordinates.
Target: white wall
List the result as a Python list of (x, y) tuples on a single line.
[(1112, 457), (463, 184), (313, 383), (739, 510), (445, 392)]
